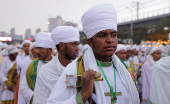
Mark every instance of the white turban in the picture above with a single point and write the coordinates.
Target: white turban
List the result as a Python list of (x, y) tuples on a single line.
[(120, 47), (143, 49), (65, 34), (44, 40), (128, 47), (98, 18), (154, 49), (4, 46), (134, 47), (26, 41), (12, 50)]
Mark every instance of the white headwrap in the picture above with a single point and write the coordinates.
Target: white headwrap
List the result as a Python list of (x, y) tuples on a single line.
[(12, 50), (44, 40), (128, 47), (134, 47), (143, 49), (26, 41), (65, 34), (99, 17), (120, 47), (30, 48), (4, 46), (154, 49)]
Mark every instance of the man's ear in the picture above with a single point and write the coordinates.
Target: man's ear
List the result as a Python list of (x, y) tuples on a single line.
[(61, 46), (90, 42)]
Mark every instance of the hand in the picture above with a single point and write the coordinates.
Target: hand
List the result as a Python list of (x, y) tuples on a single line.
[(11, 88), (87, 84)]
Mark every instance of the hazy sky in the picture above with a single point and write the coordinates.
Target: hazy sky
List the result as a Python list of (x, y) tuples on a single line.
[(23, 14)]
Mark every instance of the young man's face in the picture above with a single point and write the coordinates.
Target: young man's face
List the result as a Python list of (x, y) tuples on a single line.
[(71, 50), (121, 54), (34, 52), (156, 55), (104, 43), (128, 54), (13, 56), (43, 53), (26, 48)]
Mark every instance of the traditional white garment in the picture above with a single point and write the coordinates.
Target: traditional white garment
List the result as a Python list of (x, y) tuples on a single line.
[(99, 17), (48, 76), (26, 63), (44, 40), (65, 34), (7, 64), (146, 79), (160, 82), (61, 95), (120, 47), (24, 88)]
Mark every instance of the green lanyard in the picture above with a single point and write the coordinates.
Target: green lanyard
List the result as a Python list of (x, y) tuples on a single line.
[(114, 94)]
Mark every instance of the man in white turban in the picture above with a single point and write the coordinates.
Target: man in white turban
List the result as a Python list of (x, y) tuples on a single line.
[(160, 82), (121, 52), (100, 26), (26, 62), (9, 76), (147, 68), (25, 47), (66, 39), (44, 46)]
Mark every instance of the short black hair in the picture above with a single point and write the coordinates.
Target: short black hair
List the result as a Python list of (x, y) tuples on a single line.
[(57, 46)]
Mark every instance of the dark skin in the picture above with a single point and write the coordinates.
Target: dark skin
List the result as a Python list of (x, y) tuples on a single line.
[(104, 45), (34, 52), (12, 57), (121, 54), (44, 53), (156, 55), (26, 48), (68, 52), (128, 54)]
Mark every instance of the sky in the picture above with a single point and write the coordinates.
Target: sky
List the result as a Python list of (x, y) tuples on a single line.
[(33, 14)]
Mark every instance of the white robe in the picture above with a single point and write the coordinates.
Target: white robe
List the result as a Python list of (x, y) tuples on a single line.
[(61, 95), (48, 76), (7, 64), (25, 65), (160, 82), (146, 79), (24, 88)]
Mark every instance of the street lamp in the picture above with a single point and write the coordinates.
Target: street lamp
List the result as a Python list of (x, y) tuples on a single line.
[(131, 21)]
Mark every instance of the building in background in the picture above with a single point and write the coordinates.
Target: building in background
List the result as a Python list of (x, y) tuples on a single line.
[(37, 30), (28, 33), (58, 21), (12, 32)]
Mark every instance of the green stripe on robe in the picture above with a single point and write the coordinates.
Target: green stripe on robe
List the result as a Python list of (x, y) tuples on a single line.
[(31, 74)]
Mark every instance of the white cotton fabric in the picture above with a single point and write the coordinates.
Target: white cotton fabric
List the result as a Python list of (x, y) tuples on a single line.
[(134, 47), (48, 76), (7, 64), (154, 49), (120, 47), (84, 48), (12, 50), (26, 62), (128, 47), (67, 96), (25, 41), (44, 40), (160, 82), (24, 88), (99, 17), (65, 34)]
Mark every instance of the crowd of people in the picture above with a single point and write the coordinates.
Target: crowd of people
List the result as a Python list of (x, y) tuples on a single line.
[(56, 69)]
